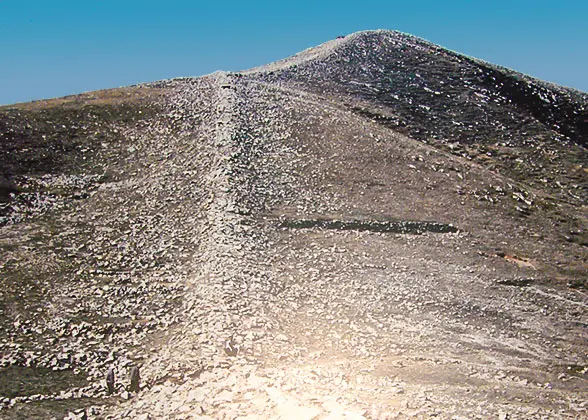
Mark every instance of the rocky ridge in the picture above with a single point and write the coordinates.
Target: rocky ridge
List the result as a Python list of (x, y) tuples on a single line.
[(218, 237)]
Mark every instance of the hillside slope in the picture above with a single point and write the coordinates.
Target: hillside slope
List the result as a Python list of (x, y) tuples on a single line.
[(383, 228)]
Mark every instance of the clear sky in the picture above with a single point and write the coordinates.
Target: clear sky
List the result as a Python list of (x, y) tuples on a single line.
[(52, 48)]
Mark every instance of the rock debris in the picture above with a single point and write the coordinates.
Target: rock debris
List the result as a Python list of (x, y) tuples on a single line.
[(374, 228)]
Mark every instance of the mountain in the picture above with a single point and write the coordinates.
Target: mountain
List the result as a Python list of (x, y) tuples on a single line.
[(376, 227)]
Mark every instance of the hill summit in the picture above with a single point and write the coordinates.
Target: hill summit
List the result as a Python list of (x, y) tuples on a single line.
[(376, 227)]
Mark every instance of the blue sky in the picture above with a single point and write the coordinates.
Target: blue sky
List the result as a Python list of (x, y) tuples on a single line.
[(52, 48)]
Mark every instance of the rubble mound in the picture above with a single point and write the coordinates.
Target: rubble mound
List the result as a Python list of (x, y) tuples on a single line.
[(374, 228)]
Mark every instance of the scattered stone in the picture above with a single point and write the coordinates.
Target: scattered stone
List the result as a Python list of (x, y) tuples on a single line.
[(110, 380), (135, 379), (173, 245), (223, 397), (231, 348), (518, 282)]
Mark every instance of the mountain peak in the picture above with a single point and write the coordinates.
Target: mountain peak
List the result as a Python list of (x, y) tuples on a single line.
[(434, 91)]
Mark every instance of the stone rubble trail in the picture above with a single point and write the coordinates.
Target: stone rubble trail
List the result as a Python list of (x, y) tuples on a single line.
[(229, 298)]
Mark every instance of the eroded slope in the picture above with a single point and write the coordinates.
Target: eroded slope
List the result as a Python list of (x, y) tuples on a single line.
[(305, 240)]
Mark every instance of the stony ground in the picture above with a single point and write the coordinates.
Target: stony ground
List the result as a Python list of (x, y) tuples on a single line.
[(271, 244)]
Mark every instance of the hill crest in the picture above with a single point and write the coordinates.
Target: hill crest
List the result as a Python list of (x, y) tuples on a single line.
[(369, 230)]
